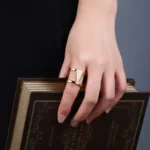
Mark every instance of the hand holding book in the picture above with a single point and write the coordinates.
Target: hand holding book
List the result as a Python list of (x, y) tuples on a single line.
[(92, 47)]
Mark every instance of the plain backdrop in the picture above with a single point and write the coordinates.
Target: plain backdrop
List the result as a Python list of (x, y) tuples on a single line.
[(133, 36)]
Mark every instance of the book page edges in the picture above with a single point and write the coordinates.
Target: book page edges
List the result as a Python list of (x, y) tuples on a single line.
[(20, 118)]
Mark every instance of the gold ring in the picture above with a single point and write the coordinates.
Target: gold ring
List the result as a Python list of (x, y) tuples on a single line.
[(79, 76)]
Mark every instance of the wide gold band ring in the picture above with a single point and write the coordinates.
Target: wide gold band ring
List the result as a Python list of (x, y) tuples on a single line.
[(79, 74)]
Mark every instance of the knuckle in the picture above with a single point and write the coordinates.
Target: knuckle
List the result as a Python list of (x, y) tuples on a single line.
[(91, 101), (111, 64), (102, 62), (109, 97), (106, 64), (83, 58), (65, 112), (64, 109), (69, 92)]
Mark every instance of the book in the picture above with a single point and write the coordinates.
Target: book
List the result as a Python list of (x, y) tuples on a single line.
[(34, 124)]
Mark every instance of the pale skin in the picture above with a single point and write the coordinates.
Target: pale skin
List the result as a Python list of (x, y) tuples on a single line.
[(92, 47)]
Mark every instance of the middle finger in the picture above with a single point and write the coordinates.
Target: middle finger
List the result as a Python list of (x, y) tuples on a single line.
[(91, 95)]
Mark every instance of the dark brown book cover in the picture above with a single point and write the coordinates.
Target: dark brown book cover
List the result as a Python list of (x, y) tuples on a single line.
[(34, 123)]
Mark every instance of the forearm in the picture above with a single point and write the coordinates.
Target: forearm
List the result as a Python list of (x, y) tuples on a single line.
[(97, 10)]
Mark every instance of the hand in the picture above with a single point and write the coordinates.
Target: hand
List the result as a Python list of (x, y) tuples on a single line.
[(92, 46)]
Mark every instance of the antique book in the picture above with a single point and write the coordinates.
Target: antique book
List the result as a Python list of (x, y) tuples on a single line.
[(34, 124)]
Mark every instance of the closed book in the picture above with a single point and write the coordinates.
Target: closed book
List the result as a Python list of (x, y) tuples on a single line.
[(34, 124)]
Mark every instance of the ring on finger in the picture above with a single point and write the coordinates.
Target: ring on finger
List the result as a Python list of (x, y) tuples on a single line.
[(79, 74)]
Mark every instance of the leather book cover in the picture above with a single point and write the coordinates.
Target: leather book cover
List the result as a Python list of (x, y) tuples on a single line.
[(34, 123)]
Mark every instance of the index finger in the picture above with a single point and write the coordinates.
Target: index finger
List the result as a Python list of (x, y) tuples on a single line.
[(69, 95)]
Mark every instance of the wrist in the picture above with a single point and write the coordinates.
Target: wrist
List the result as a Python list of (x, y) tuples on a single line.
[(97, 10)]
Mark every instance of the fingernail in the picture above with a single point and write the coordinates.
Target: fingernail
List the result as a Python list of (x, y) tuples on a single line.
[(74, 123), (61, 118), (108, 110)]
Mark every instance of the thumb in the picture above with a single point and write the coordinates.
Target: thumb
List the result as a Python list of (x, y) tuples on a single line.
[(64, 72)]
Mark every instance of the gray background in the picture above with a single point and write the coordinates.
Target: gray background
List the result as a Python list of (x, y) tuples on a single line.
[(133, 35)]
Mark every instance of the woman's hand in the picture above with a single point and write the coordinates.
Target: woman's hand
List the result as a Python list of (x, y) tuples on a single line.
[(92, 47)]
